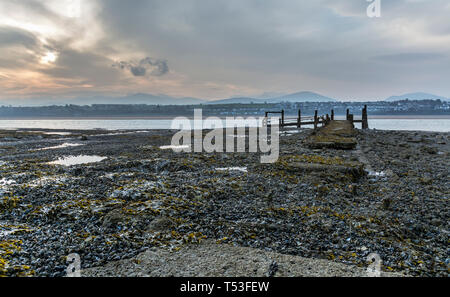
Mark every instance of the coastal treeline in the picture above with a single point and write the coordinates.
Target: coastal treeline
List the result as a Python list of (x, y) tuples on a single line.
[(405, 107)]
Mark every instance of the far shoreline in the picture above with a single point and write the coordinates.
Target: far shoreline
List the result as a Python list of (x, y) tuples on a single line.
[(376, 117)]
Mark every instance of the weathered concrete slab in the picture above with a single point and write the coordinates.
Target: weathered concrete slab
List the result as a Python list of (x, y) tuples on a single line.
[(212, 260), (336, 135)]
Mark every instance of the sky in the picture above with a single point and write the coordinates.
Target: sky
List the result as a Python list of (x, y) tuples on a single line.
[(223, 48)]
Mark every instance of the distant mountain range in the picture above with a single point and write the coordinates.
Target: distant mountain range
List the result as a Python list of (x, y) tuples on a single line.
[(296, 97), (269, 95), (162, 99), (417, 96)]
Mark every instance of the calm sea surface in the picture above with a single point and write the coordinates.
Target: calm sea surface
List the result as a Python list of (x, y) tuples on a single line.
[(420, 124)]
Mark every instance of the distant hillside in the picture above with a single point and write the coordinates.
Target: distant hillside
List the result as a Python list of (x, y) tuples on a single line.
[(416, 96), (269, 95), (162, 99), (304, 97), (242, 100), (296, 97)]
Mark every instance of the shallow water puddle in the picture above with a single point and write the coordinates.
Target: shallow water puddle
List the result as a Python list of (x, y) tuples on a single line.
[(122, 133), (242, 169), (64, 145), (176, 148), (46, 133), (377, 174), (289, 132), (76, 160), (58, 133)]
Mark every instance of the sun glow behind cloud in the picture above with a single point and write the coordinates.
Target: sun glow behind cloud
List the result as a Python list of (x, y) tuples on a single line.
[(49, 57), (69, 20), (224, 48), (37, 35)]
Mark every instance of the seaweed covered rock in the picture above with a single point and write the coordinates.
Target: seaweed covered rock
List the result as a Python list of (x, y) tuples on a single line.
[(160, 224)]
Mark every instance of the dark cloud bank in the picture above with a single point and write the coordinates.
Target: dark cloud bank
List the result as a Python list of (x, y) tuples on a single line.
[(146, 66)]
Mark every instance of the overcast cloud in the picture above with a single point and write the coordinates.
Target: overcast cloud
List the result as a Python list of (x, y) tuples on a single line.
[(217, 49)]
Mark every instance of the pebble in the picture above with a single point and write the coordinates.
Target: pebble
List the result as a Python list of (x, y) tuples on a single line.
[(116, 209)]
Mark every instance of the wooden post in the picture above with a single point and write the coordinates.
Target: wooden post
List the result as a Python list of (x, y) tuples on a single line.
[(282, 117), (365, 122), (299, 120), (316, 120), (328, 120), (332, 114), (348, 114), (350, 118)]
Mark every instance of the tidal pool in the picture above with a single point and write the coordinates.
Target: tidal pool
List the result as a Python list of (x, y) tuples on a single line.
[(58, 133), (242, 169), (377, 174), (76, 160), (175, 148), (64, 145)]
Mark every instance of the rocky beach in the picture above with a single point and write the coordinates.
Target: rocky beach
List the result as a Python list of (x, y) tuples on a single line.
[(126, 198)]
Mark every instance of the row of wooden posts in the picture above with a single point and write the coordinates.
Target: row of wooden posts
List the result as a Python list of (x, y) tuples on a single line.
[(316, 120), (364, 119)]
